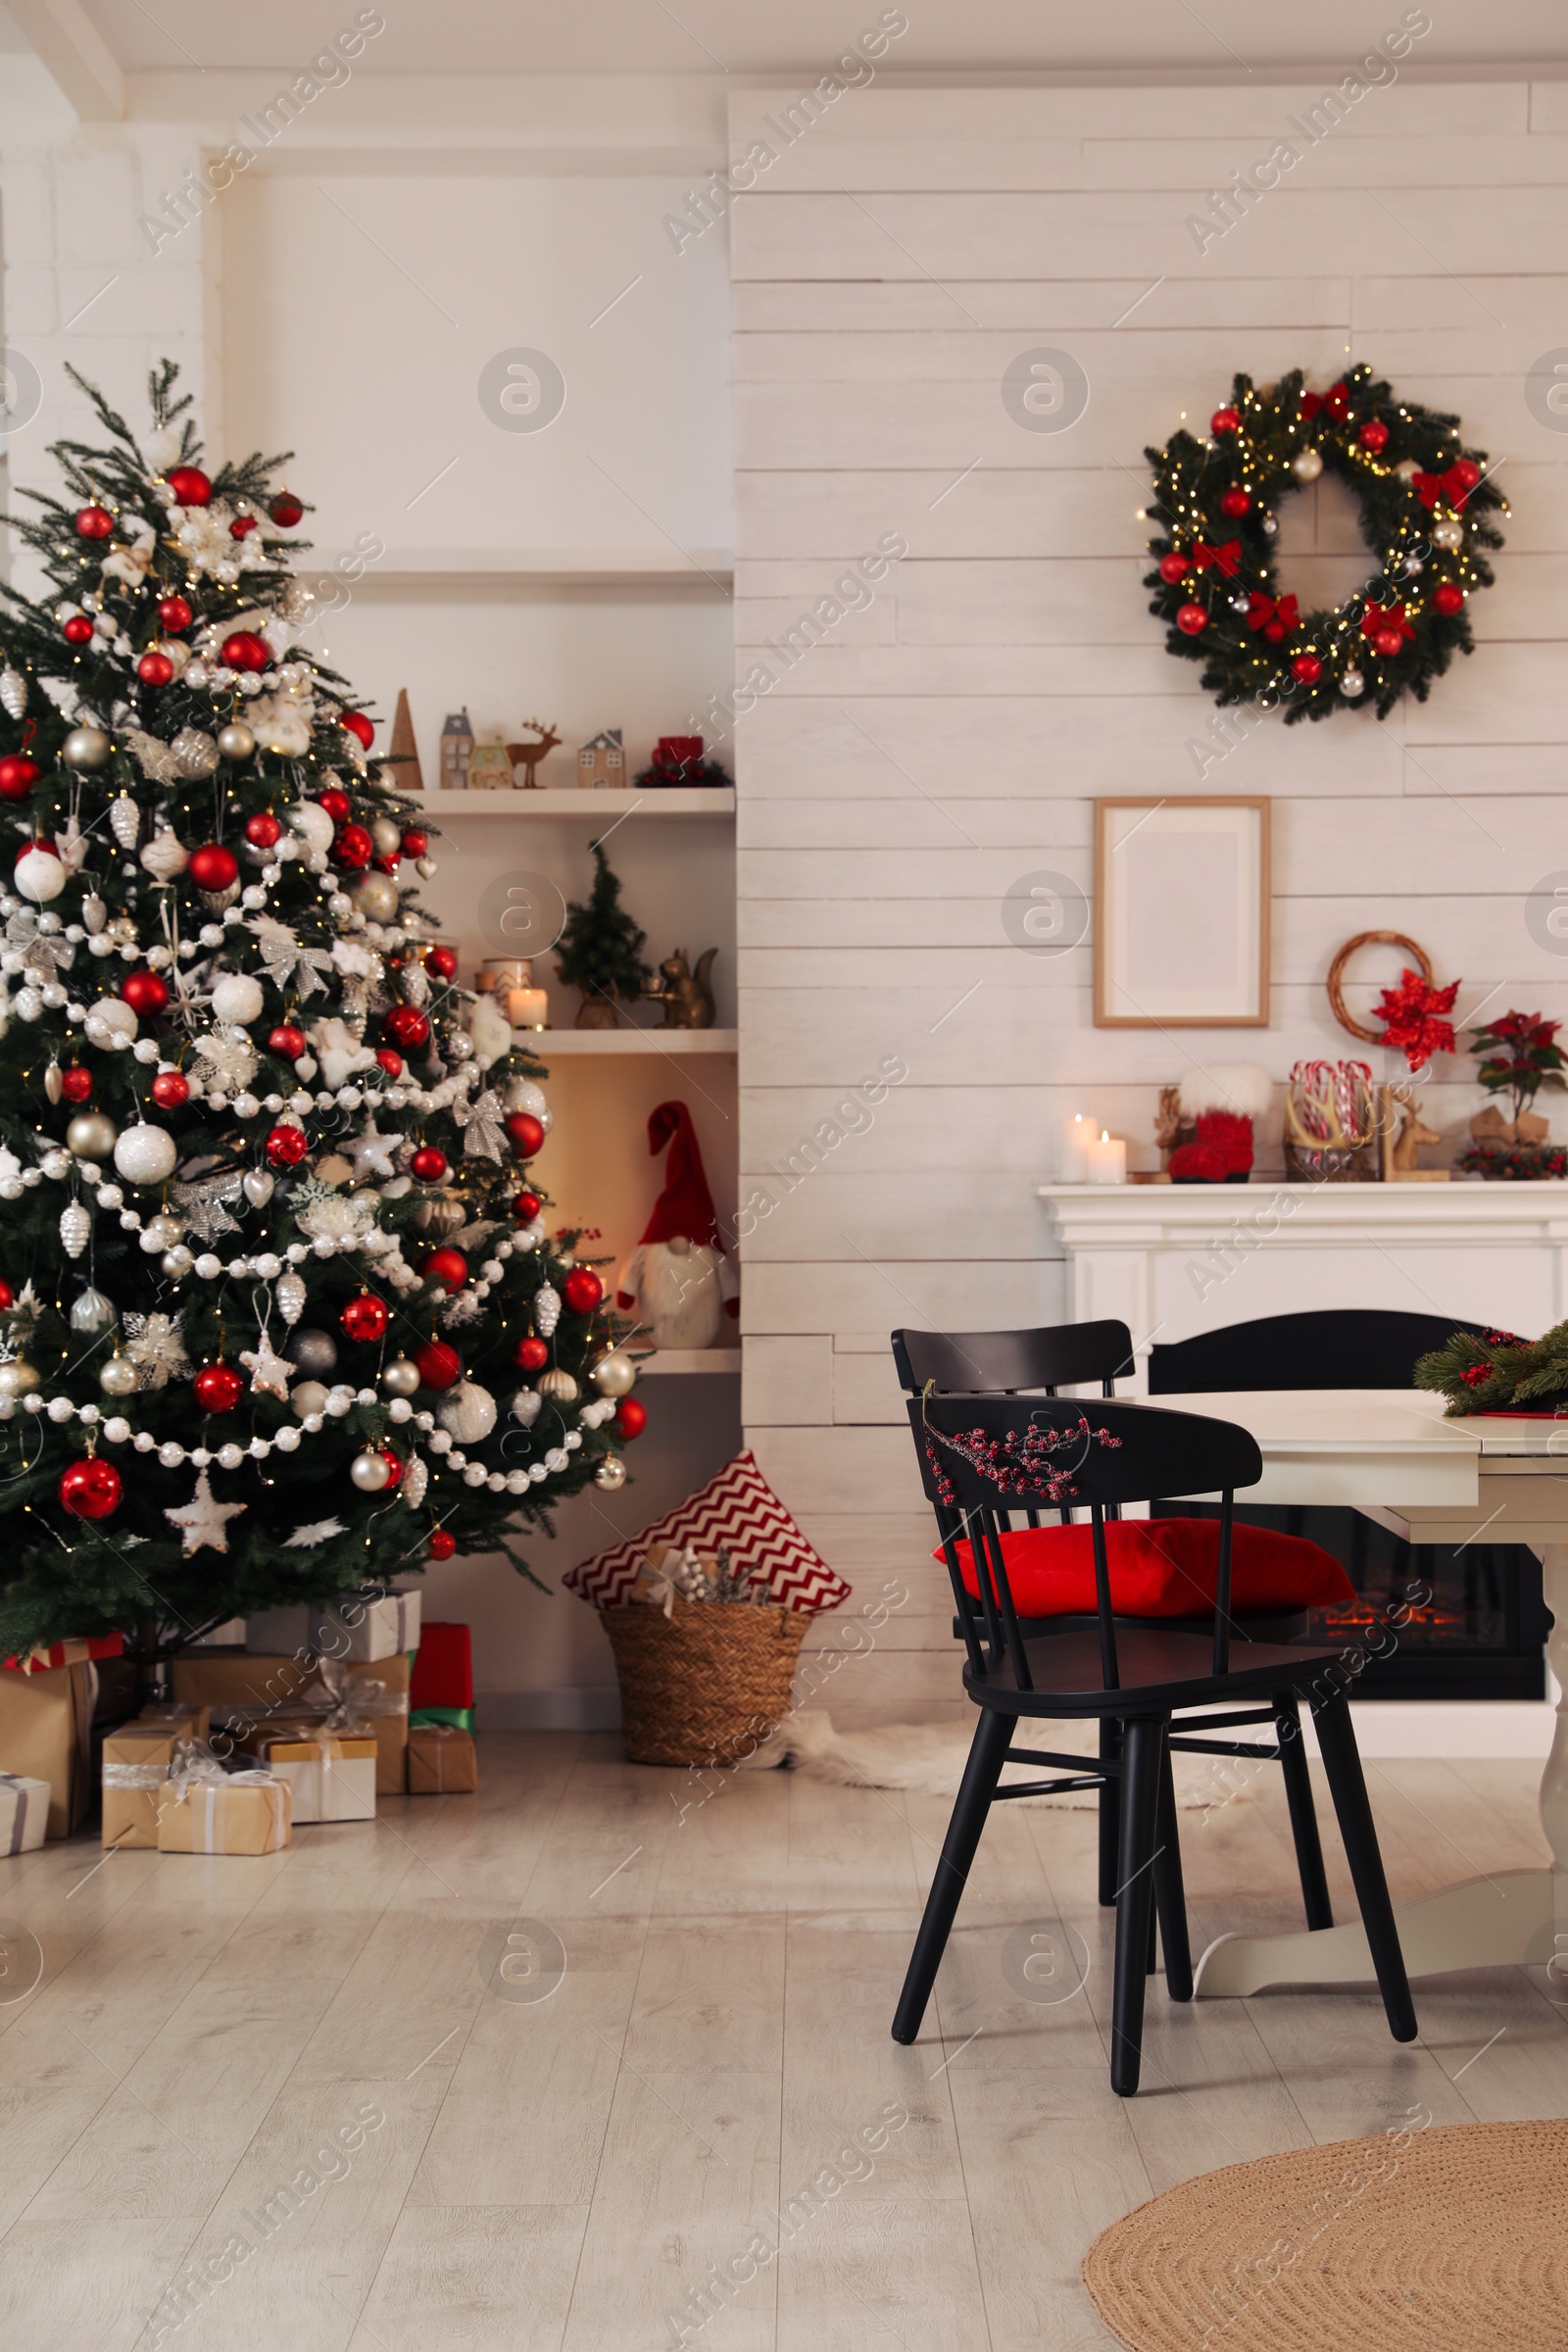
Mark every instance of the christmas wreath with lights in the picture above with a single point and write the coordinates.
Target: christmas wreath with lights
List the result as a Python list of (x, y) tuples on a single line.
[(1426, 508)]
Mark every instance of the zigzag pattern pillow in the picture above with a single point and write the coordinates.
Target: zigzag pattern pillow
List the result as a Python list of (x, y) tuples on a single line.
[(739, 1509)]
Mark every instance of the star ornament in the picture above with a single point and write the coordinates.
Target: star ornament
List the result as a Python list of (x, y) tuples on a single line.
[(370, 1152), (202, 1522), (269, 1371)]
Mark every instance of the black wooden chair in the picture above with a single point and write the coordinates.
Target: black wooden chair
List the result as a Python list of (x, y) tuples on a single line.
[(1075, 1354), (982, 1456)]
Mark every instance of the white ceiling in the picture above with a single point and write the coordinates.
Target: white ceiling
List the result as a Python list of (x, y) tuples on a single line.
[(1127, 38)]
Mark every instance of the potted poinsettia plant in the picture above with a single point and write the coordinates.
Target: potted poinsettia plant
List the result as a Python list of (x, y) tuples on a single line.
[(1518, 1055)]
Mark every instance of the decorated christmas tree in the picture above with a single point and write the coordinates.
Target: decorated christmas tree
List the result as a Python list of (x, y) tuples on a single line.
[(601, 949), (279, 1314)]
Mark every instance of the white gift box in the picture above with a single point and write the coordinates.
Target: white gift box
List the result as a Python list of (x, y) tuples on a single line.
[(332, 1775), (375, 1625), (23, 1813)]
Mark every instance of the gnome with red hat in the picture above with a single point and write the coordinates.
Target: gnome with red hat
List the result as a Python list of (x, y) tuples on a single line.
[(680, 1280)]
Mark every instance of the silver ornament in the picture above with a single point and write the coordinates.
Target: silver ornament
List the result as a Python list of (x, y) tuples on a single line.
[(146, 1154), (256, 1185), (86, 748), (416, 1480), (611, 1473), (1272, 526), (165, 855), (375, 896), (290, 1295), (75, 1229), (526, 1406), (53, 1086), (91, 1314), (307, 1396), (558, 1386), (401, 1378), (160, 1233), (13, 691), (1352, 684), (177, 1262), (118, 1377), (613, 1374), (314, 1353), (387, 836), (426, 869), (546, 1310), (1307, 466), (1447, 535), (194, 754), (94, 914), (17, 1377), (124, 821), (467, 1412), (370, 1472), (235, 740), (90, 1135)]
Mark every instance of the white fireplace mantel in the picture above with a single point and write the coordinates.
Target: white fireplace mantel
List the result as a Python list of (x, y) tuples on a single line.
[(1171, 1260)]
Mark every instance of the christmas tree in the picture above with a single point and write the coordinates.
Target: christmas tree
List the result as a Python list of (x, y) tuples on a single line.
[(601, 949), (279, 1314)]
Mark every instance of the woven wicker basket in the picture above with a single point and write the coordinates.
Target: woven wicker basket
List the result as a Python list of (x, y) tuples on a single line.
[(707, 1684)]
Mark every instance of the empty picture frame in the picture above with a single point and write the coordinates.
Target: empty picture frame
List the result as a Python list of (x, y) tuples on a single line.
[(1180, 915)]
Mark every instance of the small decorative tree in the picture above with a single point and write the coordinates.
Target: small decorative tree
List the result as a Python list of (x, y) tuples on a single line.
[(601, 949), (1518, 1057)]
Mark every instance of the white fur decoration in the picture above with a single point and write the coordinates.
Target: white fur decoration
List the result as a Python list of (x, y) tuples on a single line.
[(1243, 1088), (677, 1286)]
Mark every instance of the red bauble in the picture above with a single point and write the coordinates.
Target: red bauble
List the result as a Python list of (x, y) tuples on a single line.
[(288, 1040), (174, 615), (213, 867), (415, 842), (144, 992), (1336, 401), (155, 669), (287, 510), (631, 1417), (170, 1089), (218, 1387), (1174, 568), (8, 1298), (1192, 620), (1374, 434), (242, 526), (1236, 502), (439, 1365), (391, 1062), (353, 848), (1307, 669), (406, 1026), (1225, 420), (286, 1147), (263, 829), (582, 1290), (1465, 472), (442, 962), (528, 1136), (190, 485), (448, 1267), (526, 1207), (360, 728), (90, 1489), (77, 630), (394, 1468), (1448, 597), (95, 522), (533, 1356), (76, 1084), (336, 803), (1388, 642), (365, 1318), (442, 1545), (245, 651), (428, 1164), (18, 776)]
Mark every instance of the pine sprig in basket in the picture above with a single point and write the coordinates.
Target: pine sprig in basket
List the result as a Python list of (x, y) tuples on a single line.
[(1499, 1372)]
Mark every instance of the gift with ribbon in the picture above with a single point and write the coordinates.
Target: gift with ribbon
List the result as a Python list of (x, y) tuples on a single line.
[(250, 1694), (137, 1762), (367, 1625), (46, 1735), (442, 1761), (23, 1813), (206, 1810), (332, 1775)]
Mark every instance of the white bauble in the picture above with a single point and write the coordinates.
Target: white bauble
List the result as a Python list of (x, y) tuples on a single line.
[(523, 1095), (467, 1412), (1307, 466), (1352, 684), (287, 734), (86, 748), (387, 836), (526, 1406), (307, 1396), (109, 1018), (1447, 535), (611, 1474), (370, 1471), (613, 1374), (146, 1154), (310, 822), (238, 998), (375, 896), (165, 856), (40, 874), (75, 1229), (195, 754), (118, 1377)]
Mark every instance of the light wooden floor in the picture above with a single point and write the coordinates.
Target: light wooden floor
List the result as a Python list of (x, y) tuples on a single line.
[(555, 2176)]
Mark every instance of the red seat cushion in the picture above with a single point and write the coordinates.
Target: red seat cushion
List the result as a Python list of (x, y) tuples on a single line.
[(1162, 1568)]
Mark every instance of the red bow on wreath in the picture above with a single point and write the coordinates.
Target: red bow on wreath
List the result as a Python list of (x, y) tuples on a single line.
[(1453, 487), (1411, 1014), (1378, 618), (1275, 619), (1228, 556)]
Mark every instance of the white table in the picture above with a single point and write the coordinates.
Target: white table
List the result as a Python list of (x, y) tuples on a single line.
[(1392, 1454)]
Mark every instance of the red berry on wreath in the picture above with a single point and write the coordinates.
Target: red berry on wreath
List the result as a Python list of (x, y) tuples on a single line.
[(389, 1061), (442, 962), (1374, 434), (1225, 420), (1192, 620), (1388, 642), (365, 1318), (1275, 631), (406, 1026), (354, 848), (415, 842), (245, 651), (526, 1207), (1448, 597), (360, 728), (144, 992), (90, 1489), (582, 1290), (336, 801), (287, 510), (173, 615), (95, 522), (1311, 402), (631, 1417), (170, 1089), (218, 1388), (77, 630), (76, 1083), (213, 867), (155, 669), (286, 1147), (428, 1164), (1235, 502), (448, 1267), (533, 1356), (18, 776), (263, 829), (1174, 568), (287, 1039), (1307, 669), (190, 486), (442, 1545), (439, 1365)]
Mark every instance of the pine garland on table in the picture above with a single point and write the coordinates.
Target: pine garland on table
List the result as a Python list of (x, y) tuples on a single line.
[(1498, 1372)]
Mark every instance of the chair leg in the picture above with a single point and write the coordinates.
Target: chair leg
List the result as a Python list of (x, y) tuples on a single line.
[(1303, 1813), (1170, 1896), (1109, 1812), (1143, 1745), (1343, 1764), (987, 1755)]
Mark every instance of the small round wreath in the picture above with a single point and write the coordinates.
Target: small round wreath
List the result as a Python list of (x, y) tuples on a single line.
[(1425, 502)]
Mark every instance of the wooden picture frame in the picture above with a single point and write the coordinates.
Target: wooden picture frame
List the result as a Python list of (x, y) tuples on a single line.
[(1181, 913)]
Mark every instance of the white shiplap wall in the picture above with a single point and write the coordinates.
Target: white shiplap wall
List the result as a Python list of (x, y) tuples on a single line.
[(951, 738)]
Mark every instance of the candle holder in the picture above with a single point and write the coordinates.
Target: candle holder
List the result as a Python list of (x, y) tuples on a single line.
[(508, 979)]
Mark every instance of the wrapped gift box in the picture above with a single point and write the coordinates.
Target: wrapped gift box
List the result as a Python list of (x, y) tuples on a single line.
[(247, 1693), (46, 1655), (23, 1813), (332, 1775), (136, 1771), (461, 1718), (443, 1671), (45, 1734), (243, 1813), (442, 1761), (369, 1625)]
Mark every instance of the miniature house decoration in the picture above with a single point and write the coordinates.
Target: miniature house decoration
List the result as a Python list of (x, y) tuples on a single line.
[(490, 766), (602, 763), (456, 750)]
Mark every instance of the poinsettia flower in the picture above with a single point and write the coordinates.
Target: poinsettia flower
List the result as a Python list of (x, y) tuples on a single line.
[(1413, 1020)]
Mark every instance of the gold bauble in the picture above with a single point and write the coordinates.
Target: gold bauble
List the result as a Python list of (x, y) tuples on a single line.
[(558, 1386)]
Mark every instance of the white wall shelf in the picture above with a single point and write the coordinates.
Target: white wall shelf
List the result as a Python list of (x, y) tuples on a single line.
[(405, 568), (441, 807), (691, 1359), (551, 1044)]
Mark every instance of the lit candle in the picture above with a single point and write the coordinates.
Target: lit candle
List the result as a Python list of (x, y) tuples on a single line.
[(1107, 1158), (527, 1007), (1076, 1134)]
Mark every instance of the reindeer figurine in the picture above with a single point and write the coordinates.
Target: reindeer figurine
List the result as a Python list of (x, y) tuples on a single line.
[(529, 754), (1401, 1130)]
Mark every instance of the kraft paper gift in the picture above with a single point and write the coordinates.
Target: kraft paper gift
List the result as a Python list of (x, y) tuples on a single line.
[(23, 1813), (362, 1626), (45, 1728), (237, 1813), (250, 1693), (442, 1761), (332, 1775), (136, 1762)]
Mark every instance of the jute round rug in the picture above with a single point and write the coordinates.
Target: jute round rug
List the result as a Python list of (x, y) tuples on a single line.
[(1449, 2239)]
